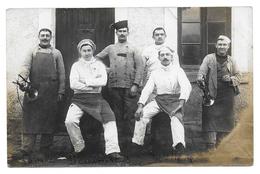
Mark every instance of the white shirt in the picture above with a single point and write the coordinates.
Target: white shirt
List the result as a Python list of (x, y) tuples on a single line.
[(152, 62), (88, 76), (167, 80)]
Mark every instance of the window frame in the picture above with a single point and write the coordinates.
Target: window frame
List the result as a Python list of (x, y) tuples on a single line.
[(204, 37)]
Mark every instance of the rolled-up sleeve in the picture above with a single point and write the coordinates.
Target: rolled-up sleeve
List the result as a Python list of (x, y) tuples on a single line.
[(185, 86), (61, 72)]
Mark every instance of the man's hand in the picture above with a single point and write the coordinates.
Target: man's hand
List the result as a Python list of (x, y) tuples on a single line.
[(200, 81), (139, 112), (133, 90), (23, 86), (60, 97), (178, 108), (226, 78)]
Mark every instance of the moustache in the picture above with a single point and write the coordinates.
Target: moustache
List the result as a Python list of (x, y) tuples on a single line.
[(165, 59)]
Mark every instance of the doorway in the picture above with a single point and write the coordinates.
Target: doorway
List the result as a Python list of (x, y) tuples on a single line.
[(73, 25)]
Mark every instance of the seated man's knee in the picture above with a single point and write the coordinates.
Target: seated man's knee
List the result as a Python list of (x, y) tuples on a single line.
[(178, 117), (72, 115)]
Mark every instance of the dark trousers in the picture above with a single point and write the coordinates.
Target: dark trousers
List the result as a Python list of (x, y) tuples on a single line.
[(29, 142), (124, 106), (214, 138)]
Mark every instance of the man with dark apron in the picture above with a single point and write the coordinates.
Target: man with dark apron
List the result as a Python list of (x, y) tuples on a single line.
[(173, 90), (223, 78), (45, 69)]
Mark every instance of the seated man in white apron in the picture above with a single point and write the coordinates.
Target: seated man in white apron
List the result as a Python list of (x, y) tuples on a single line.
[(87, 77), (173, 90)]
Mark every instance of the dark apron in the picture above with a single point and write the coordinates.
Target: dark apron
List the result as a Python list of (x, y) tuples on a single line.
[(169, 102), (40, 114), (219, 117), (94, 105)]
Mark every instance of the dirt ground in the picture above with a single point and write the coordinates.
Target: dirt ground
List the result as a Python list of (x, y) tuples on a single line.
[(235, 150)]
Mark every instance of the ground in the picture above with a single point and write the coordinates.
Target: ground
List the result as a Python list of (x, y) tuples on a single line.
[(235, 149)]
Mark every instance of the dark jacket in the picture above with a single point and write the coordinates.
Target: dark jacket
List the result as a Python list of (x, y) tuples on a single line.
[(208, 69)]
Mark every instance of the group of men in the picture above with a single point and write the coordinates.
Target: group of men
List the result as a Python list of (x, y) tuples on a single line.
[(139, 87)]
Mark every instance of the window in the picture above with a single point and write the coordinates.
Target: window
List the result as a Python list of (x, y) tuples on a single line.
[(198, 29)]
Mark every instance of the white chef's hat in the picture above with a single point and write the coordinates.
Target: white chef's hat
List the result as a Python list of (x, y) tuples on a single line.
[(86, 42)]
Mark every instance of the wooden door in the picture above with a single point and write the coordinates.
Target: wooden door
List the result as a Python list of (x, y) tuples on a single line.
[(73, 25)]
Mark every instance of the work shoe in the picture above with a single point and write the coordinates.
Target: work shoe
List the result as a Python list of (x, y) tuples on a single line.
[(180, 155), (77, 157), (115, 156), (179, 149), (211, 147), (135, 149)]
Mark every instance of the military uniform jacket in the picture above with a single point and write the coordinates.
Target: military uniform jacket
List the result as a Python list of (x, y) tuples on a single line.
[(126, 65)]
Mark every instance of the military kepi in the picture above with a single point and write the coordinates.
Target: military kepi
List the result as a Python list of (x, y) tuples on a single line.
[(119, 24)]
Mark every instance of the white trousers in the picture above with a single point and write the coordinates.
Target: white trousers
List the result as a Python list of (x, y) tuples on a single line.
[(72, 124), (150, 110)]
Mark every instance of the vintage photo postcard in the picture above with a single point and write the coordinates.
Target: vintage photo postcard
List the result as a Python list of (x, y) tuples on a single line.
[(133, 86)]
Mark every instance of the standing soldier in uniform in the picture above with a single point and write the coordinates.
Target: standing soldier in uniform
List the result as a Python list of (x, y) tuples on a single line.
[(125, 75), (45, 70)]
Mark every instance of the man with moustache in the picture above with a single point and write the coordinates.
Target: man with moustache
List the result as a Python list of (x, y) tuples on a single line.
[(150, 53), (125, 76), (151, 61), (44, 68), (173, 90)]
